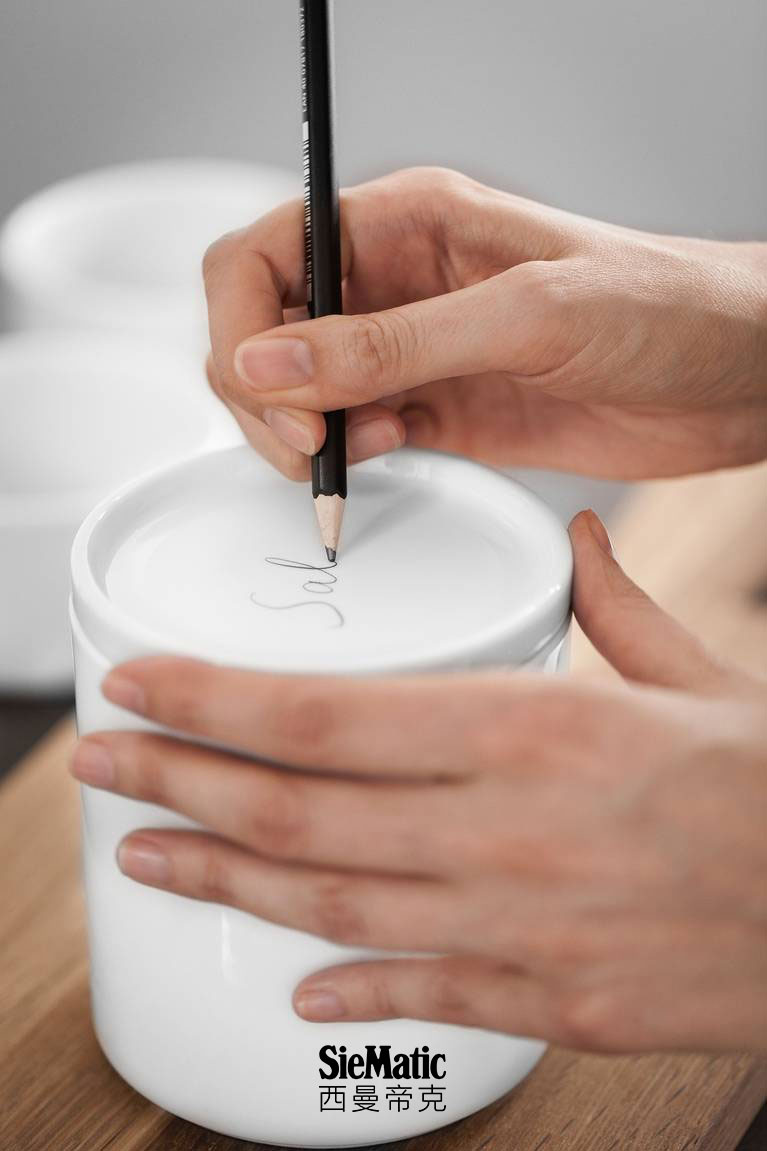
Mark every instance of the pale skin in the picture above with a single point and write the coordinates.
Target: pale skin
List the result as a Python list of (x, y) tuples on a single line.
[(587, 862)]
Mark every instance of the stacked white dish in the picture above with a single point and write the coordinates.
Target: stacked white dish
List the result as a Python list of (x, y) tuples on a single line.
[(81, 414), (102, 373), (120, 248)]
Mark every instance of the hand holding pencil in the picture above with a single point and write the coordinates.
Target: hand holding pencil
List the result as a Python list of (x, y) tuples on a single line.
[(480, 323)]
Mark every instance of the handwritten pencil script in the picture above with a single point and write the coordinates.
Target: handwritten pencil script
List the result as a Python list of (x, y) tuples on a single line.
[(319, 584)]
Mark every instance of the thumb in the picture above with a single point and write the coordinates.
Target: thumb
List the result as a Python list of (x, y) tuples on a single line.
[(637, 637), (344, 361)]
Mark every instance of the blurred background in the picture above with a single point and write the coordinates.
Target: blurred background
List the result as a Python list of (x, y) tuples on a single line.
[(651, 114)]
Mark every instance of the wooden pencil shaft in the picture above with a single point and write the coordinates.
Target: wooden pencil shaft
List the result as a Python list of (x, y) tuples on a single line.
[(329, 464), (323, 238), (322, 228)]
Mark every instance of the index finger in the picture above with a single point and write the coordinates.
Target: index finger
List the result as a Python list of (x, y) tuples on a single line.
[(415, 726), (250, 277)]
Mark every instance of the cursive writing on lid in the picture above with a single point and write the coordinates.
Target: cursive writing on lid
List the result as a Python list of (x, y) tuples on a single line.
[(314, 586)]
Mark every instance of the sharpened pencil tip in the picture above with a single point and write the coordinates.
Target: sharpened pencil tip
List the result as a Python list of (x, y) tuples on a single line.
[(330, 510)]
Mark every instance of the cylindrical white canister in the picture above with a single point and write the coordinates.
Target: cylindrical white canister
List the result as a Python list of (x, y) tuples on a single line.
[(444, 565)]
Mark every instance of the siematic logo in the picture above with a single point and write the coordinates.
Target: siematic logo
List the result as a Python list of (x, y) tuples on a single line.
[(336, 1063), (379, 1062)]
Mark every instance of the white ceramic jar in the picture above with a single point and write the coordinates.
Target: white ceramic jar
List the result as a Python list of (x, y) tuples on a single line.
[(443, 565)]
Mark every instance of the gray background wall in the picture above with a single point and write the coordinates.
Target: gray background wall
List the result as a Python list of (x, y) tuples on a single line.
[(651, 113)]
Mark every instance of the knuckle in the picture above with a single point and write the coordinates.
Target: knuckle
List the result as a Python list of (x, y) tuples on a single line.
[(498, 853), (276, 819), (492, 743), (214, 381), (560, 950), (584, 1019), (367, 351), (337, 914), (295, 467), (449, 998), (565, 948), (183, 706), (374, 992), (449, 179), (263, 234), (218, 254), (428, 179), (377, 994), (478, 846), (227, 387), (145, 754), (307, 723), (215, 882), (221, 384), (548, 286), (569, 722), (380, 346)]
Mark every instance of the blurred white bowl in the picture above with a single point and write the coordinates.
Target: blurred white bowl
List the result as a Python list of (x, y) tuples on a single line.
[(81, 413), (120, 248)]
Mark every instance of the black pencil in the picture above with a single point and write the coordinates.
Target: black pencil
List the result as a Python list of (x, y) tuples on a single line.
[(322, 243)]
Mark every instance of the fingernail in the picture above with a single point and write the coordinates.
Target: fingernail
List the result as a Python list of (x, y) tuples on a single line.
[(140, 858), (599, 532), (92, 763), (124, 692), (274, 364), (318, 1004), (290, 429), (372, 438)]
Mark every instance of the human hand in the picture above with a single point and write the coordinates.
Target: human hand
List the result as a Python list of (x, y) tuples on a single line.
[(490, 326), (589, 862)]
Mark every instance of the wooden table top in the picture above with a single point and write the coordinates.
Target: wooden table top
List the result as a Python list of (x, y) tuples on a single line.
[(700, 547)]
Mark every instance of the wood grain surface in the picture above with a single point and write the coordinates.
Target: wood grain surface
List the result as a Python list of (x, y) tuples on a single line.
[(700, 547)]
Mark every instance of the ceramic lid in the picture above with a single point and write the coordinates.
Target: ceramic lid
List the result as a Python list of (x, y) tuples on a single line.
[(442, 562)]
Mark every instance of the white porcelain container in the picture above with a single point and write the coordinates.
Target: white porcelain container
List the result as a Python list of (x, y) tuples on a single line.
[(120, 248), (444, 565), (81, 414)]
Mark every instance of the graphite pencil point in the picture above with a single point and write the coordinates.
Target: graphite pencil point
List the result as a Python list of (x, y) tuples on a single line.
[(330, 512)]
